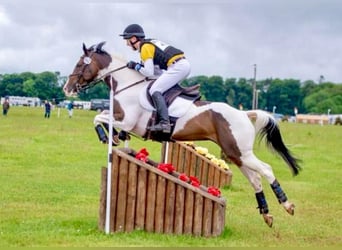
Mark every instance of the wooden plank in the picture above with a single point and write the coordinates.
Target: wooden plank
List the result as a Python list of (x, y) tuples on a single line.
[(151, 201), (172, 151), (188, 211), (131, 196), (122, 196), (198, 215), (218, 219), (183, 162), (210, 176), (204, 173), (141, 199), (217, 173), (194, 162), (180, 160), (207, 217), (179, 209), (174, 157), (170, 206), (114, 191), (160, 205), (103, 200)]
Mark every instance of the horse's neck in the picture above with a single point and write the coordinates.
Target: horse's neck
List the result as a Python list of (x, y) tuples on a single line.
[(118, 70), (108, 70)]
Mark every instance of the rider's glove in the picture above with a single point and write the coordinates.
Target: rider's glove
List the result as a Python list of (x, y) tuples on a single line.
[(134, 65)]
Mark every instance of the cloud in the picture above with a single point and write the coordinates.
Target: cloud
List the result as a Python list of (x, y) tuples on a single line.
[(286, 39)]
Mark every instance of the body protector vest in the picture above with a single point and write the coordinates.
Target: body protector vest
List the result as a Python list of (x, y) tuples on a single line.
[(163, 52)]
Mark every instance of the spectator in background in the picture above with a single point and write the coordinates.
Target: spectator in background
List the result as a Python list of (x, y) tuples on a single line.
[(5, 107), (47, 109), (70, 108)]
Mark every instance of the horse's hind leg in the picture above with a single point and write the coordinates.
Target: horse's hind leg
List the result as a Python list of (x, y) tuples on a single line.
[(265, 170), (281, 196), (255, 179)]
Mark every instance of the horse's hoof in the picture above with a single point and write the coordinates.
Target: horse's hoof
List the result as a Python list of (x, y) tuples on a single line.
[(116, 141), (290, 208), (268, 219)]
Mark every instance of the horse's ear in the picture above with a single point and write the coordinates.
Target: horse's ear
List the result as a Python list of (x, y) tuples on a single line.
[(99, 46), (85, 49)]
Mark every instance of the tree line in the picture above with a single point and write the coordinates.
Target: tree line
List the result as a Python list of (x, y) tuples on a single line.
[(274, 95)]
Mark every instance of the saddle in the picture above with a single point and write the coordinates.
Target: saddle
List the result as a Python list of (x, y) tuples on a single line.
[(189, 93)]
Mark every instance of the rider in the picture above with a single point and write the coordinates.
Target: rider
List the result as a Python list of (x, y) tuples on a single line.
[(157, 58)]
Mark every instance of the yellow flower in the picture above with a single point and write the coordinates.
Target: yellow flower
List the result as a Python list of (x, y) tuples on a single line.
[(210, 156), (189, 143), (223, 164), (201, 150)]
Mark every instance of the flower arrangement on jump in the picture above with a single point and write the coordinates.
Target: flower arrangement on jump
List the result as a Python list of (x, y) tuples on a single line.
[(205, 152), (142, 155)]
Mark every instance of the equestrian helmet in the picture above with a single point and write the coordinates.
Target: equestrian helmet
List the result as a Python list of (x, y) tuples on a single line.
[(133, 30)]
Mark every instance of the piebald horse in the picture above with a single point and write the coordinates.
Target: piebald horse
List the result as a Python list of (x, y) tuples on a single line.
[(232, 129)]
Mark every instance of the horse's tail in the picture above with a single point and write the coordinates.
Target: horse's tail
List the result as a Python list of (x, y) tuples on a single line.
[(266, 126)]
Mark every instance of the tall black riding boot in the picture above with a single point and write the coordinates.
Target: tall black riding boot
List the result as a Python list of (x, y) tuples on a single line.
[(162, 113)]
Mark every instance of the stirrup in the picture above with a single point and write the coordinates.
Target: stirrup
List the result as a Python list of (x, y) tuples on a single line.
[(161, 127)]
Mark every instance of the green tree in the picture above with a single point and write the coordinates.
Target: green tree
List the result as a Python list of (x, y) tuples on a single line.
[(284, 95), (29, 88), (99, 91), (326, 96)]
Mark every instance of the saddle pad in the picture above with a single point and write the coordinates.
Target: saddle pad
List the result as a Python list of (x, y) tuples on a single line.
[(177, 108)]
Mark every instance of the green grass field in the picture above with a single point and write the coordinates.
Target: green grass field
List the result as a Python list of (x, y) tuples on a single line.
[(50, 184)]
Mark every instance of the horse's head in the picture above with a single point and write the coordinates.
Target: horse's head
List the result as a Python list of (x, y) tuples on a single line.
[(87, 68)]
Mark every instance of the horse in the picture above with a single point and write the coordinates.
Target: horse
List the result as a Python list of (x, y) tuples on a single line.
[(233, 130)]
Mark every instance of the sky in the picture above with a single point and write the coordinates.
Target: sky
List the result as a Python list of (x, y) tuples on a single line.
[(297, 39)]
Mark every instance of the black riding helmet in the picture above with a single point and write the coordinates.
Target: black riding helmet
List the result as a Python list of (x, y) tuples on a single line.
[(133, 30)]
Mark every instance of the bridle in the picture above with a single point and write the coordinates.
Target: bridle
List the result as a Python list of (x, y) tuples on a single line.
[(87, 61)]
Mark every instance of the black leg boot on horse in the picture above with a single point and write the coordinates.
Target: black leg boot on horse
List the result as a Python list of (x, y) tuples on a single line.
[(263, 208), (162, 114), (281, 196)]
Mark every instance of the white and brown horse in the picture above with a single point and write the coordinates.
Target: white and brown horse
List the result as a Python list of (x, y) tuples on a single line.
[(230, 128)]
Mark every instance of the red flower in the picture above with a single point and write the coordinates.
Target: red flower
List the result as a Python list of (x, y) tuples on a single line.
[(142, 155), (166, 167), (184, 177), (214, 191), (194, 181)]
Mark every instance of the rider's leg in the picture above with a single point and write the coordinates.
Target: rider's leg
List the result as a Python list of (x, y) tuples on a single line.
[(174, 74), (163, 113)]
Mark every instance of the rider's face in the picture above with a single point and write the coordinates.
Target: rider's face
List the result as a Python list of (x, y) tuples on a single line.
[(132, 42)]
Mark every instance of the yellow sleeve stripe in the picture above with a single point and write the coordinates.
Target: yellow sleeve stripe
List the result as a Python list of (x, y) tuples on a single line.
[(147, 52)]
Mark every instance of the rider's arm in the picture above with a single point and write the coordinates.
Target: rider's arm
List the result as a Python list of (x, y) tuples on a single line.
[(148, 69), (146, 55)]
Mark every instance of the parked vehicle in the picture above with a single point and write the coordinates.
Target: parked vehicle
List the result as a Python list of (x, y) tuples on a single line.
[(99, 104)]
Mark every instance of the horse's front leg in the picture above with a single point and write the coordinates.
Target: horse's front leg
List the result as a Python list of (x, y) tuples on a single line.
[(101, 122), (255, 180)]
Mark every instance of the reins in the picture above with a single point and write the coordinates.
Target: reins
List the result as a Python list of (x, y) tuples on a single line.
[(93, 83), (129, 86)]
